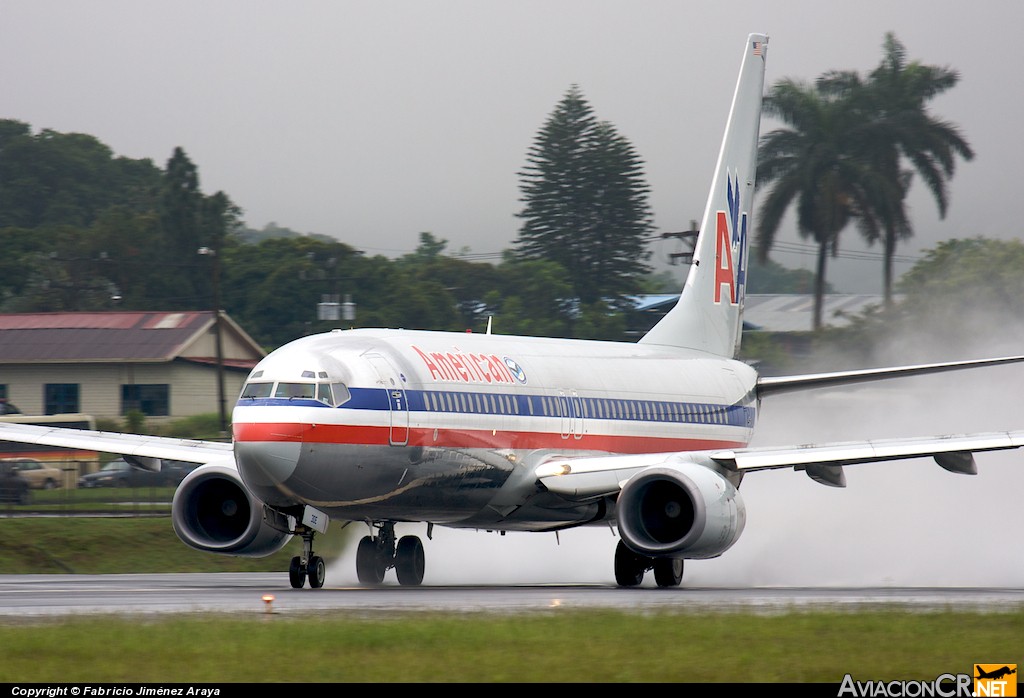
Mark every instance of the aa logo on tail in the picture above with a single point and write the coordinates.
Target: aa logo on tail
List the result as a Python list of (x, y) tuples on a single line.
[(731, 247)]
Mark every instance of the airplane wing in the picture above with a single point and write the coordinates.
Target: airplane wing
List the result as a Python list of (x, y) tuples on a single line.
[(146, 451), (587, 478)]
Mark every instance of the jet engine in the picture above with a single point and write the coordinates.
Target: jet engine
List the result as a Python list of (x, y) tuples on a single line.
[(683, 510), (214, 512)]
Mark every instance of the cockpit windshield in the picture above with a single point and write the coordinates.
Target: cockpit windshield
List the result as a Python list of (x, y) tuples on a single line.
[(332, 394), (324, 394), (295, 390), (254, 390), (337, 391)]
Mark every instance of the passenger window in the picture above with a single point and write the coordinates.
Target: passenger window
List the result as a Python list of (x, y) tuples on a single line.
[(255, 390)]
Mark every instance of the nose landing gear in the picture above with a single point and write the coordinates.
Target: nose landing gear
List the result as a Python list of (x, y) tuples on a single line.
[(307, 565)]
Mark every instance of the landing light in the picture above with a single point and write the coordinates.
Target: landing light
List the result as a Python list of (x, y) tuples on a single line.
[(552, 469)]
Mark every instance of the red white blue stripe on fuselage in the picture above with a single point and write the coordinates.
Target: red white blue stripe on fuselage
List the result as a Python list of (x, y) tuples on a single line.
[(498, 420)]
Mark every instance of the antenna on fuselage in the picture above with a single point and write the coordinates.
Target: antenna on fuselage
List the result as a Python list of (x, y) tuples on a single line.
[(489, 318)]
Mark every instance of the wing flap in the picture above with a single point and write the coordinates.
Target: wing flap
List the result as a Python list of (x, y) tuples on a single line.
[(588, 478), (857, 452)]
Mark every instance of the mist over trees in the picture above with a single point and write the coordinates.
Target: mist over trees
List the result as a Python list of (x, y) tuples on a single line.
[(964, 292)]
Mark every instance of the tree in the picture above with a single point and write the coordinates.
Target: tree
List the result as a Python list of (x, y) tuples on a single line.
[(24, 249), (896, 127), (220, 220), (813, 164), (181, 204), (585, 203), (57, 179), (767, 276), (534, 298), (465, 282), (128, 252), (272, 288)]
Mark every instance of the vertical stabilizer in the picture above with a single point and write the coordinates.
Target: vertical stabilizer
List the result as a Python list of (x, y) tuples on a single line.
[(709, 314)]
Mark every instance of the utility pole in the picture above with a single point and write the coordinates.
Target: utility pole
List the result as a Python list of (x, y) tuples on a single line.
[(218, 327), (689, 237)]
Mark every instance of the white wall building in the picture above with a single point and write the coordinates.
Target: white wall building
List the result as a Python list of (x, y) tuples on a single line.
[(104, 364)]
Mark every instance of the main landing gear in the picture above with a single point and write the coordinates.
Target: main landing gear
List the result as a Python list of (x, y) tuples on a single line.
[(375, 555), (630, 568), (307, 565), (378, 553)]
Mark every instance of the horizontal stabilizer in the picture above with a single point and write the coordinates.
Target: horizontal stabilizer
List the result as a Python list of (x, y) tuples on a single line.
[(786, 384)]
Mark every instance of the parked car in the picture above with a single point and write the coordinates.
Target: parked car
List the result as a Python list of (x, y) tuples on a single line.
[(13, 487), (121, 473), (40, 476)]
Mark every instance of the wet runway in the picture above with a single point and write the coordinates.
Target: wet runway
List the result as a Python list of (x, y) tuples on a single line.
[(27, 596)]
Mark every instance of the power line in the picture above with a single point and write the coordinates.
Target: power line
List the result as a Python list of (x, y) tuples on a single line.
[(798, 248), (865, 255)]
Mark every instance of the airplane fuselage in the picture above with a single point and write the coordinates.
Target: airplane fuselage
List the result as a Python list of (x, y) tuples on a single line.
[(433, 426)]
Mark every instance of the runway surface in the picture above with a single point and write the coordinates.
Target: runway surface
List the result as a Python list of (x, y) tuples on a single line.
[(28, 596)]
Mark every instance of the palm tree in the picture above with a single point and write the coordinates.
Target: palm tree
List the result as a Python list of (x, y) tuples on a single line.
[(896, 128), (814, 165)]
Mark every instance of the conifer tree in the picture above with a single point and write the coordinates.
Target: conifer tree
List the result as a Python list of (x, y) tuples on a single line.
[(585, 203)]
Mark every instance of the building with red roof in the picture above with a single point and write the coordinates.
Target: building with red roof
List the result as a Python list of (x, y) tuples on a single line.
[(106, 364)]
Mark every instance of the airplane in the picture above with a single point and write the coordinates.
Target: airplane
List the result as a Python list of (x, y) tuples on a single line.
[(507, 433), (995, 674)]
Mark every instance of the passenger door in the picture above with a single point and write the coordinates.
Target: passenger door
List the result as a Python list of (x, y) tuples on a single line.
[(398, 405)]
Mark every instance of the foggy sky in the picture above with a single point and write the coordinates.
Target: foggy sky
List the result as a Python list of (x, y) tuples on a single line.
[(372, 122)]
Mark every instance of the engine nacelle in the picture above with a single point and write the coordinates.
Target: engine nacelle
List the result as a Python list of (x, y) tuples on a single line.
[(213, 511), (685, 510)]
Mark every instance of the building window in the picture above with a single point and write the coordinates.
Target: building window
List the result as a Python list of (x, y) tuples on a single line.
[(61, 398), (151, 400)]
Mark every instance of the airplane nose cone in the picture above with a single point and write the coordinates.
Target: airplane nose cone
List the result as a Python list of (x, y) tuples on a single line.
[(265, 465)]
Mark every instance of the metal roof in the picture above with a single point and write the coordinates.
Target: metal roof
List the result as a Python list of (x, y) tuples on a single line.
[(105, 337), (795, 313), (781, 312)]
